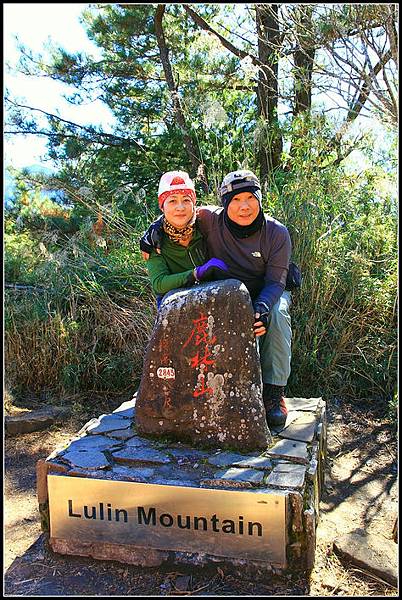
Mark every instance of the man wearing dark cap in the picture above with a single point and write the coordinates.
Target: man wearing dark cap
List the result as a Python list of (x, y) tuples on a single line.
[(257, 249)]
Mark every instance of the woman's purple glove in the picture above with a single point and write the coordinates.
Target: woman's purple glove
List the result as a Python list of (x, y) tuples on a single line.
[(215, 268)]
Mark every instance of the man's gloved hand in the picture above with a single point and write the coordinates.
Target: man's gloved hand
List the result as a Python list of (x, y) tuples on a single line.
[(213, 269), (261, 319), (152, 238)]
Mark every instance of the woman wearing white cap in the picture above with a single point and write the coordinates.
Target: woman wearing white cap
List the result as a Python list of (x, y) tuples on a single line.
[(183, 258)]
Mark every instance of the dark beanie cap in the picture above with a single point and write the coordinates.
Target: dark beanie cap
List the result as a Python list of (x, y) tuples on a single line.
[(256, 191), (239, 181)]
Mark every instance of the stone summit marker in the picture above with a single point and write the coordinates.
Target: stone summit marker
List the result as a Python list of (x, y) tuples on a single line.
[(201, 380), (188, 471)]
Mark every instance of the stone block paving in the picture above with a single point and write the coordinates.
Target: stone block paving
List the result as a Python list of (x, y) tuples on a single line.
[(133, 455), (109, 447), (233, 474), (302, 429), (291, 450), (108, 423), (287, 475), (89, 459), (127, 409)]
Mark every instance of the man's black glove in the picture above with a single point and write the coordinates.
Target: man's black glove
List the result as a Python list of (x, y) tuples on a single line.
[(263, 311), (152, 238)]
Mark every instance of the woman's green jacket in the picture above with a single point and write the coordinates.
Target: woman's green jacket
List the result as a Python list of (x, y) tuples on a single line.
[(171, 268)]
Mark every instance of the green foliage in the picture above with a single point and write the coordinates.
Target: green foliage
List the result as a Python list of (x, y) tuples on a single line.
[(92, 316), (20, 256), (393, 407), (344, 237), (88, 329), (130, 77)]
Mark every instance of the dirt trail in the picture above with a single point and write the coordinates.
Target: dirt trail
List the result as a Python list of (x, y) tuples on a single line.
[(360, 492)]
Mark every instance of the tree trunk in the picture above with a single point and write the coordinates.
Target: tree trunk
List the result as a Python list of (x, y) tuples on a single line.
[(197, 164), (304, 60), (270, 142), (303, 65)]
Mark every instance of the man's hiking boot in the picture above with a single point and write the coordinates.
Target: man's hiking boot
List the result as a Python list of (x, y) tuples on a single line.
[(275, 406)]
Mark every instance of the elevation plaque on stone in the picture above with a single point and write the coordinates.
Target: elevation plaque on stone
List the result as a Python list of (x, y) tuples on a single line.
[(239, 524)]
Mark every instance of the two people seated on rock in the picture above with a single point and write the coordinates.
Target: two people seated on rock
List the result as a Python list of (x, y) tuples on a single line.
[(236, 240)]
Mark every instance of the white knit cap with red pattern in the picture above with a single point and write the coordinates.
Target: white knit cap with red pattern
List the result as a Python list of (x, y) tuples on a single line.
[(175, 181)]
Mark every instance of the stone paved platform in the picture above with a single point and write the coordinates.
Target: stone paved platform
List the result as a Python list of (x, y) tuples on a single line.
[(288, 473)]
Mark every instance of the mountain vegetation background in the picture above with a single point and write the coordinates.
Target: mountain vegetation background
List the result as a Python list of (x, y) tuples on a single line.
[(285, 90)]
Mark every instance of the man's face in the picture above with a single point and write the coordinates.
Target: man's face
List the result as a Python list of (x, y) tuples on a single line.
[(243, 208), (178, 209)]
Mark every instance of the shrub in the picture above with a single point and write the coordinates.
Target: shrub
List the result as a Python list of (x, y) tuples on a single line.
[(88, 327), (344, 322)]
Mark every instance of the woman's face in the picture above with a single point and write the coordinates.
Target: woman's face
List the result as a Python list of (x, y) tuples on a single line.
[(178, 209)]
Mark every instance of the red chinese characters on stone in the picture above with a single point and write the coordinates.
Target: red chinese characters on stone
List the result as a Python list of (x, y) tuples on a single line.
[(200, 332), (196, 361), (201, 388), (201, 335), (164, 350)]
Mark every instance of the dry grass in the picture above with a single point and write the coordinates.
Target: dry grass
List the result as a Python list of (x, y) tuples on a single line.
[(80, 350), (332, 577)]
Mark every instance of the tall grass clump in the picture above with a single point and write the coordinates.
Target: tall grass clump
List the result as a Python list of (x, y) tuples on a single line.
[(344, 236), (85, 323)]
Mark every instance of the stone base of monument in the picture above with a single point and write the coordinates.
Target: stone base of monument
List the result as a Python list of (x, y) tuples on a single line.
[(112, 494)]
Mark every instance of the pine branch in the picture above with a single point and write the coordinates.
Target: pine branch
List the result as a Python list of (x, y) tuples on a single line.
[(90, 130), (228, 45)]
